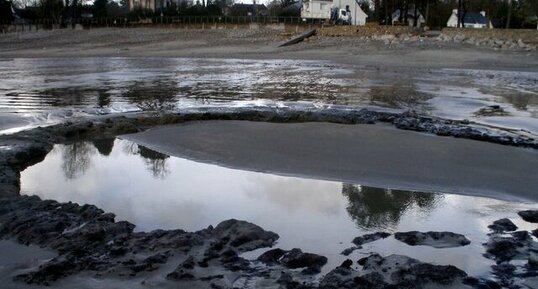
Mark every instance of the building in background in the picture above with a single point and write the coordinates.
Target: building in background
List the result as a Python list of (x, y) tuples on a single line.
[(322, 10), (470, 20)]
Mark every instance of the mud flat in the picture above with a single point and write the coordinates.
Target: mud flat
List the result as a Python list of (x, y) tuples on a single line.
[(374, 155)]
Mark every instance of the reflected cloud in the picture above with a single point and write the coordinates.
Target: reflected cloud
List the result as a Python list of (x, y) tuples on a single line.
[(375, 208), (296, 194)]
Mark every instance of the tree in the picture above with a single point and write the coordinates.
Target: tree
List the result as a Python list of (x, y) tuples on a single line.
[(5, 12), (50, 9), (100, 8), (509, 14)]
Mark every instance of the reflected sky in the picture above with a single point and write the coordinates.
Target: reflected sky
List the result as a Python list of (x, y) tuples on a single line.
[(49, 89), (154, 190)]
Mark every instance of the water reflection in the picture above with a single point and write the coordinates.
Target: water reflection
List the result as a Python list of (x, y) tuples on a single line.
[(399, 95), (104, 146), (107, 85), (154, 190), (104, 98), (376, 208), (77, 157)]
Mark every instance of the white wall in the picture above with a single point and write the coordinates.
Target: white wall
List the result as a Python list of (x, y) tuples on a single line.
[(358, 17)]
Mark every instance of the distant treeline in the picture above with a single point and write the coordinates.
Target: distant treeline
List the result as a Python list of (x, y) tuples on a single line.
[(502, 13)]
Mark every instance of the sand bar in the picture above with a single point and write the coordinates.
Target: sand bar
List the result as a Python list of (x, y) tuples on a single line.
[(373, 155)]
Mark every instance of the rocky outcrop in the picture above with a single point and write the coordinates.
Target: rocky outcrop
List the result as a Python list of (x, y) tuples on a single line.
[(293, 259), (432, 239), (87, 238), (394, 271), (529, 215), (504, 247), (360, 240), (503, 225)]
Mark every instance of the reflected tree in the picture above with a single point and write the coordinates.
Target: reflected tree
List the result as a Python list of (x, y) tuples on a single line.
[(157, 97), (76, 158), (104, 146), (156, 162), (375, 208), (103, 98), (399, 95)]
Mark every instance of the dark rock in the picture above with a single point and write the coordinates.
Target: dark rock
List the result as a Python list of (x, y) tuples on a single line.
[(179, 275), (244, 236), (481, 283), (369, 238), (505, 248), (433, 239), (348, 251), (212, 277), (503, 225), (233, 262), (188, 263), (338, 278), (284, 278), (272, 256), (346, 264), (405, 271), (529, 215), (297, 259)]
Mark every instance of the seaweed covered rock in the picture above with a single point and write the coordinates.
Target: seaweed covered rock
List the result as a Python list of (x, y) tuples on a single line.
[(244, 236), (530, 216), (503, 225), (432, 239), (394, 271), (293, 259)]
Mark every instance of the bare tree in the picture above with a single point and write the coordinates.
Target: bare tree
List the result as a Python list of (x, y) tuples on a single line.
[(76, 158)]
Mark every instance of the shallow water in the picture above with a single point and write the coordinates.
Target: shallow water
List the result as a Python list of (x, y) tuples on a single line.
[(48, 90), (153, 190)]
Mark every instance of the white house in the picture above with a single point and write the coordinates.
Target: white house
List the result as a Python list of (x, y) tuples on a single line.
[(358, 17), (470, 20), (316, 9), (321, 9)]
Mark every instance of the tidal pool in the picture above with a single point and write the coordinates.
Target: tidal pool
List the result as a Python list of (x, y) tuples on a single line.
[(156, 191)]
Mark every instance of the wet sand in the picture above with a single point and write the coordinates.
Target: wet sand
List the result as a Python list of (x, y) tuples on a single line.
[(256, 44), (373, 155)]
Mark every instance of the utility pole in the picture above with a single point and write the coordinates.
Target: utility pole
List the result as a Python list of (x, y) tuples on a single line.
[(460, 13), (255, 9)]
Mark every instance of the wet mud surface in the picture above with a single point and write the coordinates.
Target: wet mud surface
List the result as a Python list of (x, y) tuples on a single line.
[(44, 90), (89, 240)]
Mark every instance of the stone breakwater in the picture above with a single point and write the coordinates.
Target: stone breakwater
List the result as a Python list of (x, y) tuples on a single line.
[(89, 240), (520, 39)]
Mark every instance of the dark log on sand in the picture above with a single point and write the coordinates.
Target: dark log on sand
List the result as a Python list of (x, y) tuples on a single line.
[(298, 38)]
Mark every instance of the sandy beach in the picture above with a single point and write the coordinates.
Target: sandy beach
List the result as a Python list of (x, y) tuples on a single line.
[(257, 44)]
